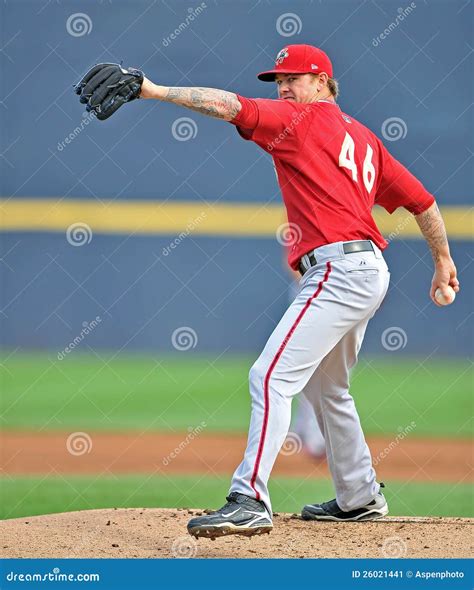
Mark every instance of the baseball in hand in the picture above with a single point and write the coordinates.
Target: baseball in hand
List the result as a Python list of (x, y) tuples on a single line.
[(441, 299)]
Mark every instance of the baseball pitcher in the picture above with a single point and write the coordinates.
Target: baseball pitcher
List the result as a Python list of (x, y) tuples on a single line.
[(331, 171)]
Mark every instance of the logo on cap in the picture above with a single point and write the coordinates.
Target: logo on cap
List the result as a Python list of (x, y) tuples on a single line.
[(314, 67), (281, 56)]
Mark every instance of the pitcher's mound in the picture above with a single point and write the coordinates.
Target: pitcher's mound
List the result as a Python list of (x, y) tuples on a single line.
[(135, 532)]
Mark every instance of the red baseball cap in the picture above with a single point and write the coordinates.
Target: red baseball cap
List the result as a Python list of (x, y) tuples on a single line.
[(298, 59)]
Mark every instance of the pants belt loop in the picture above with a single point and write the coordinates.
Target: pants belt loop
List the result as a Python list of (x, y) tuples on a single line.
[(306, 263), (377, 252)]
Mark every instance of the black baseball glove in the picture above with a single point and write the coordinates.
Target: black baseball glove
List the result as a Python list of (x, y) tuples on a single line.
[(106, 87)]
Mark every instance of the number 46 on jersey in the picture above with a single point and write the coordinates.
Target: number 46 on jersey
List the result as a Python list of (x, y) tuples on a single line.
[(347, 160)]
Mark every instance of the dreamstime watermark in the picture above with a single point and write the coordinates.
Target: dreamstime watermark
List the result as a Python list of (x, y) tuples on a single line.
[(289, 24), (297, 118), (292, 445), (394, 547), (184, 129), (394, 338), (193, 13), (289, 234), (79, 234), (403, 13), (86, 119), (394, 129), (79, 24), (190, 227), (401, 225), (54, 576), (403, 432), (87, 328), (193, 433), (184, 547), (184, 338), (79, 443)]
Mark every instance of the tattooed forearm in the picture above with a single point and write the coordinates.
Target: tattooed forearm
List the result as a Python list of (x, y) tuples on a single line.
[(432, 227), (208, 101)]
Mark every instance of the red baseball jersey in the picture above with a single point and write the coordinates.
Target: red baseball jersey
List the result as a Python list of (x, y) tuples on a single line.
[(331, 170)]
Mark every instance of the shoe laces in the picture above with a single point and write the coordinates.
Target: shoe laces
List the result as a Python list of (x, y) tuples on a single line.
[(330, 505), (241, 499)]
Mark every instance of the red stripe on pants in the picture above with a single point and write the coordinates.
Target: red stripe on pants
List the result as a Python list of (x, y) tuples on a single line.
[(269, 372)]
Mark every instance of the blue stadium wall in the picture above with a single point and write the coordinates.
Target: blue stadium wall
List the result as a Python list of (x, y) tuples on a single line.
[(230, 290)]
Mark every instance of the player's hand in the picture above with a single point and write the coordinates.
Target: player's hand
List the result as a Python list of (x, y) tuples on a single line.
[(106, 87), (445, 275)]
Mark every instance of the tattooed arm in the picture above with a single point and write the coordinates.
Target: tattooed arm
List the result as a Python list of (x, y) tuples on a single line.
[(208, 101), (432, 227)]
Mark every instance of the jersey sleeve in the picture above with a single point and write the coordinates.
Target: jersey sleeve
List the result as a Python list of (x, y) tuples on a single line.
[(271, 124), (399, 188)]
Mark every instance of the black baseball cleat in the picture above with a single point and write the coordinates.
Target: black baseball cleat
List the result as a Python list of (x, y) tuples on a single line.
[(241, 515), (377, 508)]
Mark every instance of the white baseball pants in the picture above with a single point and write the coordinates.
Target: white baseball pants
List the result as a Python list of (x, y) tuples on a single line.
[(311, 350), (303, 421)]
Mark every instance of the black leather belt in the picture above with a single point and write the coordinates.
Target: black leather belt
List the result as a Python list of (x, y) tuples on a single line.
[(348, 247)]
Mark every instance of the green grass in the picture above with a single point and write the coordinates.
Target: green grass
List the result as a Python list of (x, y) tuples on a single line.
[(28, 496), (83, 392)]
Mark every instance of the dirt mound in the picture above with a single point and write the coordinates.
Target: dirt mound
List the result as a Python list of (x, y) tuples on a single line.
[(154, 533)]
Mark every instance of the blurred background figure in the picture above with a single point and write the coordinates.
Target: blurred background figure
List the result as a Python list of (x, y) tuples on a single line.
[(306, 426)]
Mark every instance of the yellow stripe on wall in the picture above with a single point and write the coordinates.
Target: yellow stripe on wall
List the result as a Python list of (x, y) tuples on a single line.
[(459, 223), (222, 219)]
